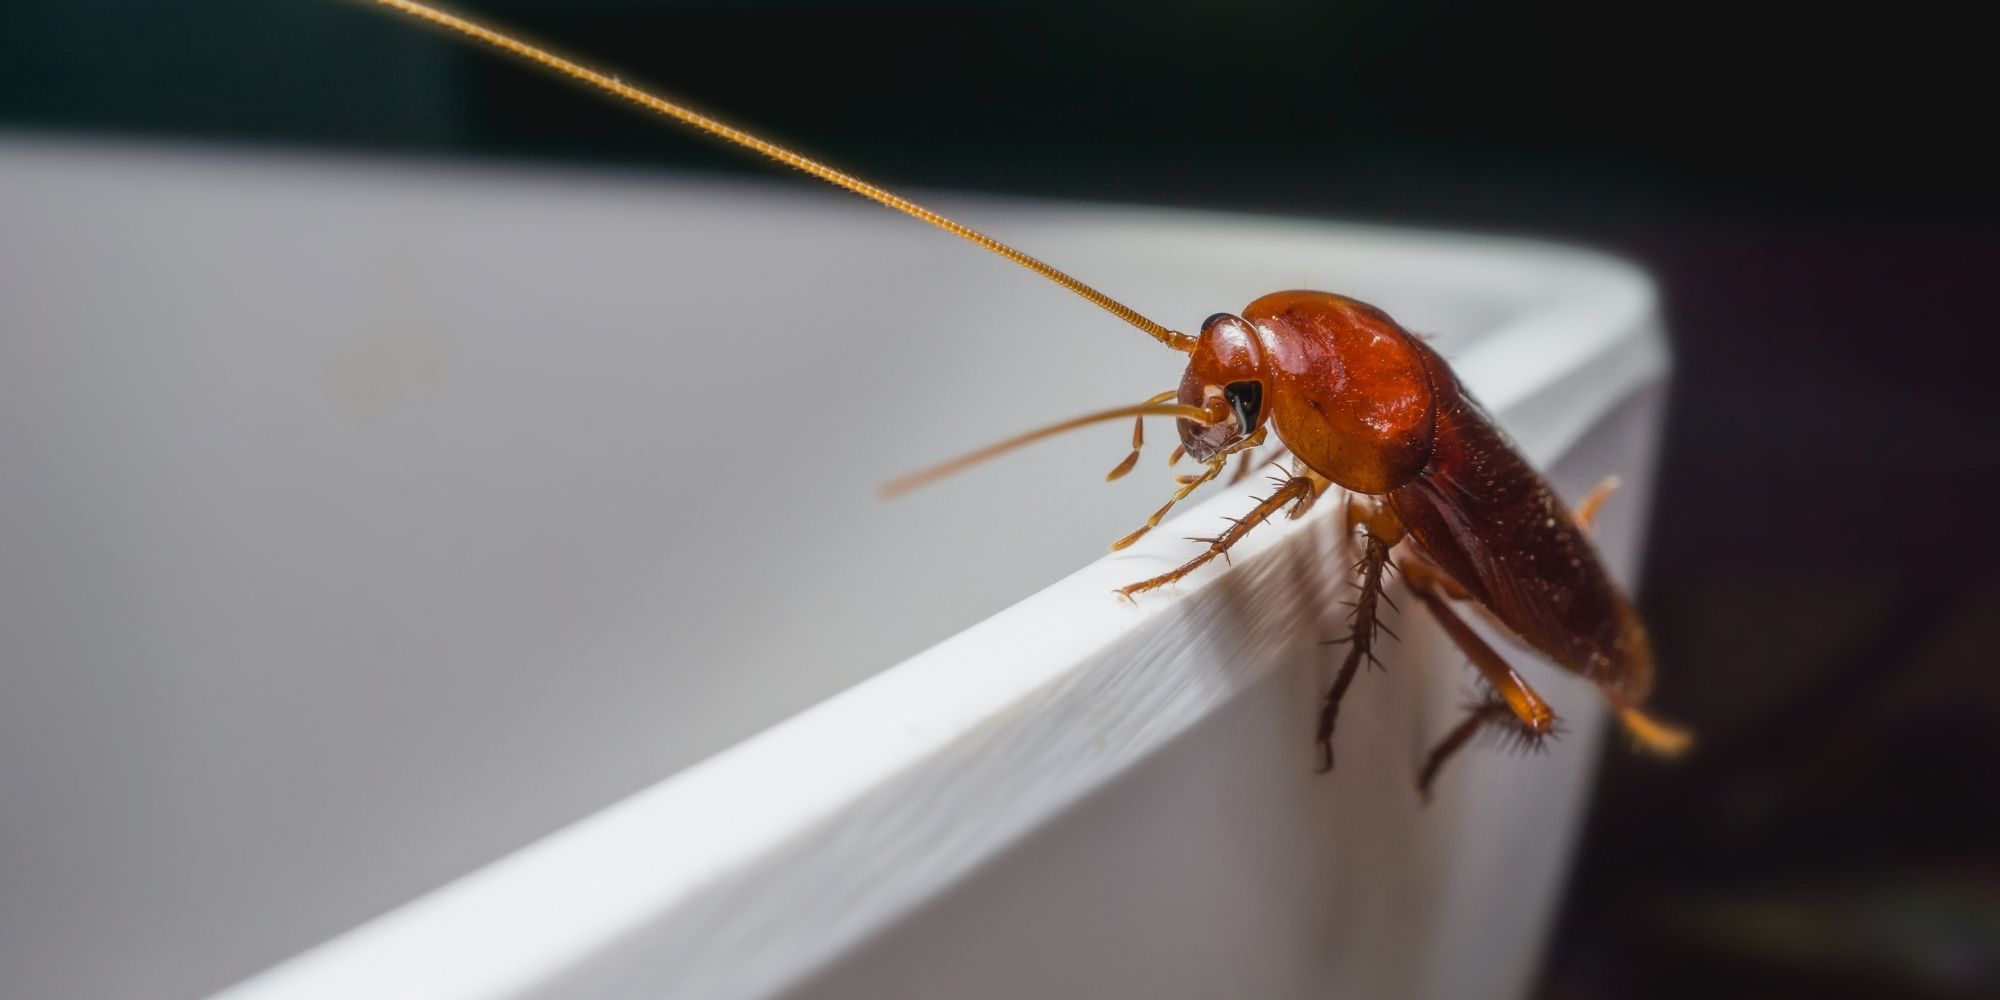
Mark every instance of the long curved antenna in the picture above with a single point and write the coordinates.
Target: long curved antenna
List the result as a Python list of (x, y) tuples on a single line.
[(618, 88)]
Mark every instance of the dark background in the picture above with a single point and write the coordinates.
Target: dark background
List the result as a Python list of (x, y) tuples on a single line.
[(1808, 187)]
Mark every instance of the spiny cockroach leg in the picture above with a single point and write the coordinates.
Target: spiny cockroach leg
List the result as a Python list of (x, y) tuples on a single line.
[(1586, 509), (1429, 584), (1490, 712), (1292, 491), (1511, 691), (1363, 622), (1320, 486)]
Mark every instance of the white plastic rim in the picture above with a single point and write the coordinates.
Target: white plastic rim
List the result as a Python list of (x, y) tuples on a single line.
[(1074, 796)]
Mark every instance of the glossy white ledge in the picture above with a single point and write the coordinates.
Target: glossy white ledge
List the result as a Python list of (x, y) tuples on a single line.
[(613, 440)]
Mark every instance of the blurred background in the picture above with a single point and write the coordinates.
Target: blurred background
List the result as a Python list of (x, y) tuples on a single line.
[(1812, 191)]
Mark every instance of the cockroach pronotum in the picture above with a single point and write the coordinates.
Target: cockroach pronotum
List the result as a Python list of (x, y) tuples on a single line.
[(1360, 404)]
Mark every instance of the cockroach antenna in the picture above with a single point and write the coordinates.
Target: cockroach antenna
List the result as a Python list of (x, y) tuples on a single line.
[(770, 150)]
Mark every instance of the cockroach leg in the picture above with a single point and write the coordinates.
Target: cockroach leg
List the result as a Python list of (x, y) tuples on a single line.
[(1189, 484), (1489, 712), (1651, 735), (1377, 518), (1586, 509), (1380, 532), (1291, 491), (1320, 485), (1249, 460), (1528, 707)]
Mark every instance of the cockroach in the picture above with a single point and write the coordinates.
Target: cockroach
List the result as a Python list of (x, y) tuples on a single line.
[(1434, 489)]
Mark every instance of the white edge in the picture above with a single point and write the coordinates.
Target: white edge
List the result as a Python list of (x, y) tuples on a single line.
[(664, 865)]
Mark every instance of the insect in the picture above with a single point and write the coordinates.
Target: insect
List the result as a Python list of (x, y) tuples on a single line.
[(1432, 487)]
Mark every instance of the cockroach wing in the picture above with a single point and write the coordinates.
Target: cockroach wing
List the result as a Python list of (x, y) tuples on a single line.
[(1485, 517)]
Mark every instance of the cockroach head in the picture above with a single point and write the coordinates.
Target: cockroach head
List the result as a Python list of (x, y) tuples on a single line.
[(1225, 376)]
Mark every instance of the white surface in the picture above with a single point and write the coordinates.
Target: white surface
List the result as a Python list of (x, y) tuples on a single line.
[(367, 522)]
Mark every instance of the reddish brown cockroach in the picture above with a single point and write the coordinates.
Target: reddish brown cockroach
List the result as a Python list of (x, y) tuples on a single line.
[(1360, 404)]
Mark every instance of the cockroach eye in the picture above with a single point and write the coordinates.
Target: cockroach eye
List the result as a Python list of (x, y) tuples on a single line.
[(1246, 398)]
